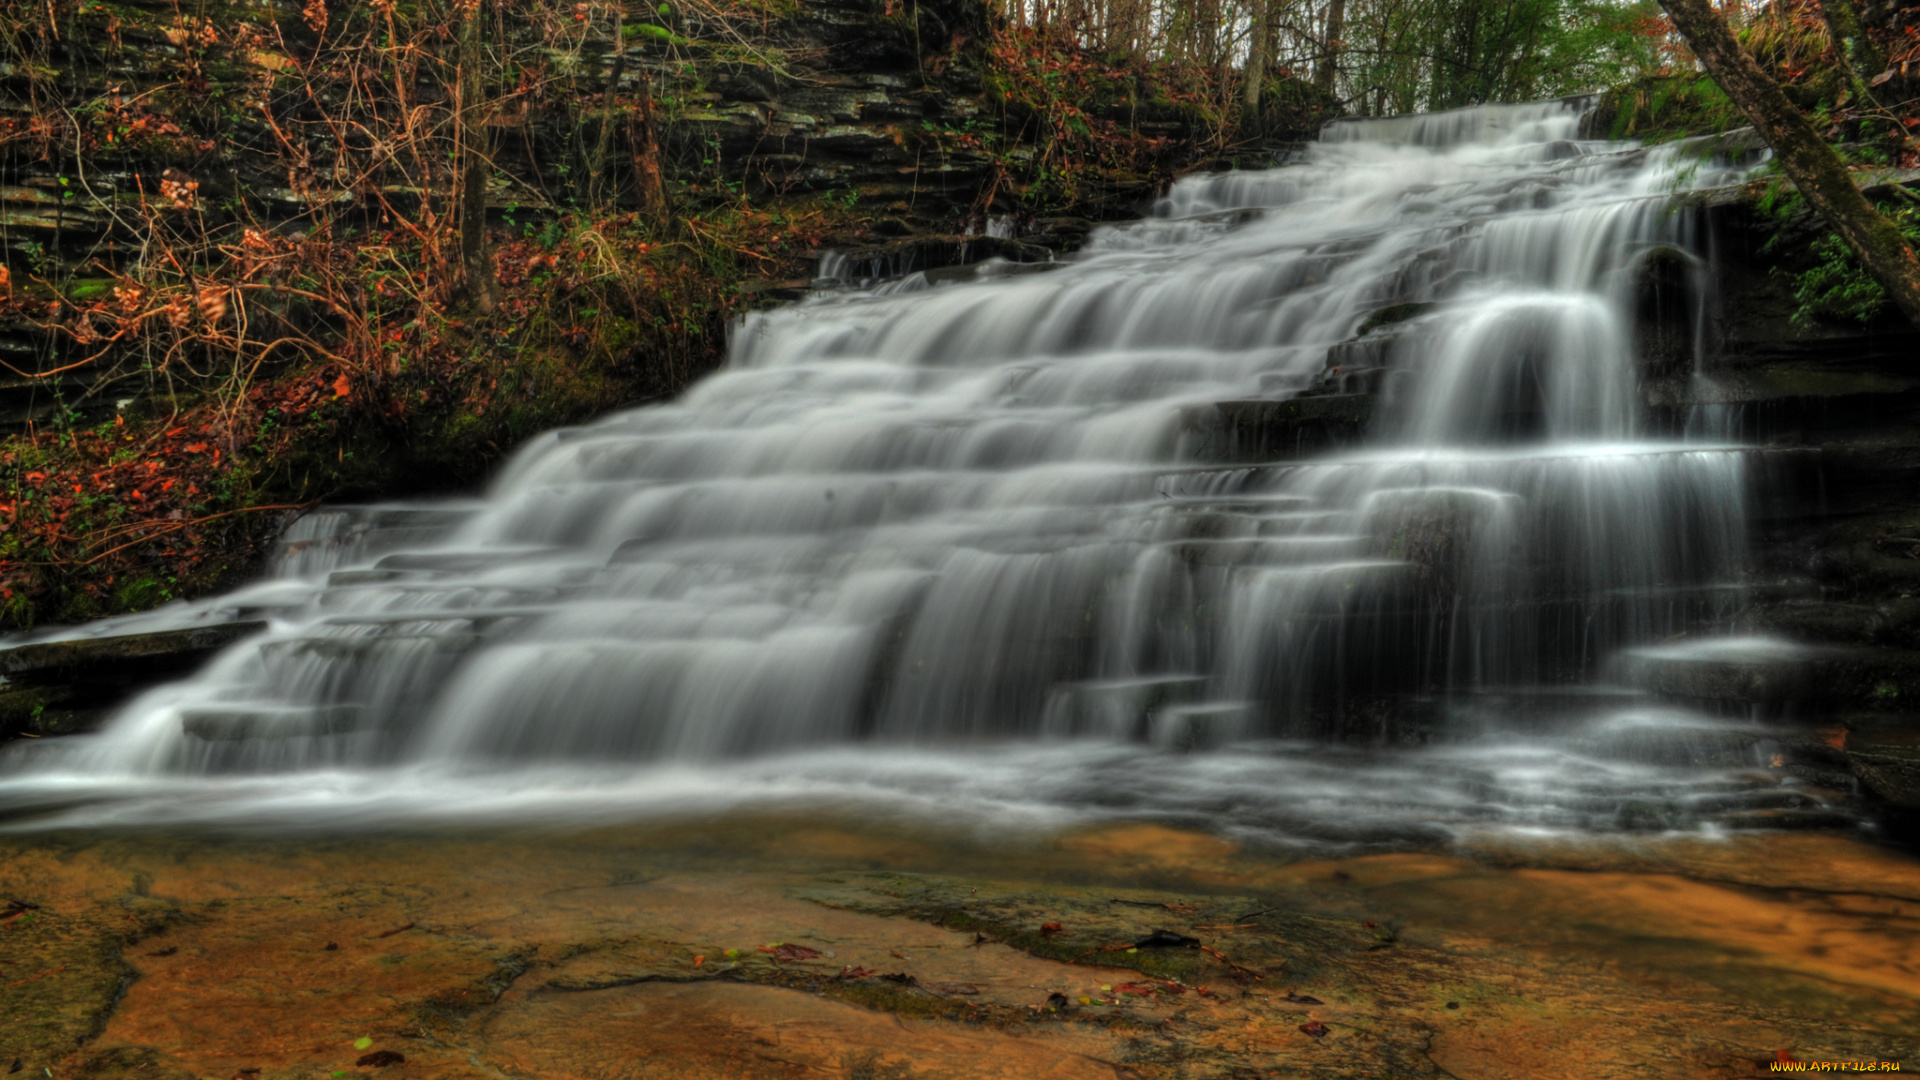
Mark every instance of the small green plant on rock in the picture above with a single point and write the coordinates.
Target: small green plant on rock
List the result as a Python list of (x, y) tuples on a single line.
[(1838, 288)]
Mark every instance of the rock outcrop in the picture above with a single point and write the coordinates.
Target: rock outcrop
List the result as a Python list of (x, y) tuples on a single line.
[(66, 686)]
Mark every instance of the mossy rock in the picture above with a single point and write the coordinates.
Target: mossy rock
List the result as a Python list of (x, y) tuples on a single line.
[(67, 972), (1101, 928)]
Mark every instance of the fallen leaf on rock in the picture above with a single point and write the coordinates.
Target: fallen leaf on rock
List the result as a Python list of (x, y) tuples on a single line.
[(788, 954), (1316, 1029), (855, 971), (380, 1059), (1050, 929)]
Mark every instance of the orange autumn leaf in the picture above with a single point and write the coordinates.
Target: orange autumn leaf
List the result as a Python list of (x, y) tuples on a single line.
[(341, 387)]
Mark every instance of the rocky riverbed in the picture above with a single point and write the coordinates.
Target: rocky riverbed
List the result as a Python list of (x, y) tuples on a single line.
[(817, 945)]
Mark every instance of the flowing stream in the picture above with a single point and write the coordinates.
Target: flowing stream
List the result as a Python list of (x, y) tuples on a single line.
[(977, 546)]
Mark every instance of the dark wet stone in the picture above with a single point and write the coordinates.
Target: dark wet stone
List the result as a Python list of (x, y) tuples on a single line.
[(1883, 753), (66, 687), (1391, 315), (1261, 429), (125, 660), (1866, 678)]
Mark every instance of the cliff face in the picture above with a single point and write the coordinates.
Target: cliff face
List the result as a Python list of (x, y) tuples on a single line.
[(142, 143), (258, 254)]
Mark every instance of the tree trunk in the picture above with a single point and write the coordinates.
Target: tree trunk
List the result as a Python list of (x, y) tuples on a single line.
[(476, 263), (1858, 57), (1330, 50), (1256, 62), (645, 140), (599, 195), (1813, 166)]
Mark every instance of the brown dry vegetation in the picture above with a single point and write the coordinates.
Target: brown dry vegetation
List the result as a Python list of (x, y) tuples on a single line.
[(264, 257)]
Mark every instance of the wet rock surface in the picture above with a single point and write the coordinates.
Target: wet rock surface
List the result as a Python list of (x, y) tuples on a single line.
[(66, 686), (1832, 412), (751, 948)]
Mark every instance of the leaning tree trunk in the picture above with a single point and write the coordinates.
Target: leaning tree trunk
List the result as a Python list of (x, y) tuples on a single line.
[(1813, 166)]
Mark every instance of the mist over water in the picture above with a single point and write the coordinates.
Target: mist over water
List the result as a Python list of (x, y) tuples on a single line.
[(975, 547)]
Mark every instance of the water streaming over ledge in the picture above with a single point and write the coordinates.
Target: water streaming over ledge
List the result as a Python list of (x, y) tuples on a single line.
[(969, 544)]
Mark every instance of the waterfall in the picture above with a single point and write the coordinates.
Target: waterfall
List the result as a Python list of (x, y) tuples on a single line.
[(992, 517)]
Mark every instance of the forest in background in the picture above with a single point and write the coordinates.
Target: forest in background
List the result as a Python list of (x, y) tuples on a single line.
[(257, 255), (1381, 57)]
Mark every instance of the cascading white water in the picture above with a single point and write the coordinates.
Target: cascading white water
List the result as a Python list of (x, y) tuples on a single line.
[(919, 515)]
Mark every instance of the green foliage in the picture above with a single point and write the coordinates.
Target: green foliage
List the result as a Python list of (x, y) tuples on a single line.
[(1657, 108), (1838, 288), (1793, 42), (1779, 199), (1441, 54)]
